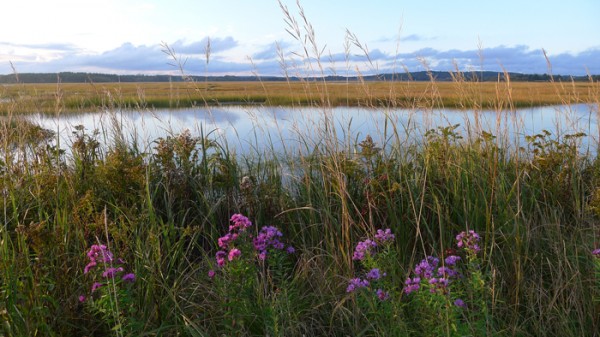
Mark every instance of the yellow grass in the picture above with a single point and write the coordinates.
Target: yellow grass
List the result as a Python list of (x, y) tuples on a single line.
[(65, 97)]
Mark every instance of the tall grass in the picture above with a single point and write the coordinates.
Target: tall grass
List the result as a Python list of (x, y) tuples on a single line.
[(162, 206), (83, 97)]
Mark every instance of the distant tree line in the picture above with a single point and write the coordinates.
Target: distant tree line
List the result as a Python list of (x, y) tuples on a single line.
[(485, 76)]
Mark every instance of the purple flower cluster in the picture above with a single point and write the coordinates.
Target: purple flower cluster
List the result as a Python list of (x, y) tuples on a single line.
[(438, 278), (447, 272), (451, 260), (356, 283), (363, 248), (221, 257), (439, 285), (239, 224), (469, 241), (268, 237), (430, 275), (98, 254), (412, 285), (225, 240), (111, 272), (384, 236), (367, 247), (233, 254), (425, 268), (101, 255), (374, 274)]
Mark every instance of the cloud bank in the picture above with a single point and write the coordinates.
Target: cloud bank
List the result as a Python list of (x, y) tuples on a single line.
[(266, 60)]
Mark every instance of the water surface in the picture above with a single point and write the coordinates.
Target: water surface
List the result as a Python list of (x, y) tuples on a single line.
[(256, 128)]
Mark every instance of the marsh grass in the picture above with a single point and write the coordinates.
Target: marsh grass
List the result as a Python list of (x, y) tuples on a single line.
[(84, 97), (163, 205)]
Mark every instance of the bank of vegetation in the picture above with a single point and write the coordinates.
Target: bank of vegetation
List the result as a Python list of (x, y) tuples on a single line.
[(429, 232)]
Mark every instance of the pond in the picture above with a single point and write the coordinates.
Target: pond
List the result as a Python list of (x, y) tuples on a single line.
[(256, 128)]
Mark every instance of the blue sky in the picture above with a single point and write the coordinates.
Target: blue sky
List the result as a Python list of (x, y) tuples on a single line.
[(250, 37)]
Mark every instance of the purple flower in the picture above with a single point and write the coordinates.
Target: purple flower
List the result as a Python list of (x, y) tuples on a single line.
[(412, 285), (426, 267), (469, 241), (440, 284), (94, 249), (268, 237), (290, 250), (211, 273), (129, 278), (262, 255), (362, 248), (111, 272), (220, 256), (96, 285), (240, 222), (356, 283), (89, 266), (374, 274), (224, 240), (260, 243), (384, 236), (382, 295), (460, 303), (233, 254), (446, 272), (596, 252), (451, 260), (271, 232), (100, 253)]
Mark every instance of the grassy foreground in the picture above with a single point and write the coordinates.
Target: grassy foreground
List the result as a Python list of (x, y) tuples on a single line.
[(431, 233), (441, 234), (27, 98)]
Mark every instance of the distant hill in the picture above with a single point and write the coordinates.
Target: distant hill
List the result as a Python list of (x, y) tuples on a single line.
[(443, 76)]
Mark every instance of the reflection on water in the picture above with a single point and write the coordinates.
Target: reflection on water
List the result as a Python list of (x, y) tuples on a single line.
[(248, 128)]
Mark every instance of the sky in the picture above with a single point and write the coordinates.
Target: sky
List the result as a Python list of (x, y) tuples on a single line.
[(305, 38)]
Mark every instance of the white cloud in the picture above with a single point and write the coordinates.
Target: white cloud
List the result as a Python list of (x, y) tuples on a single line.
[(213, 45), (150, 59)]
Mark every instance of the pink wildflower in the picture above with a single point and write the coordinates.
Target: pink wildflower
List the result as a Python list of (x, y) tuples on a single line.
[(111, 272), (233, 254), (89, 266), (96, 285)]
